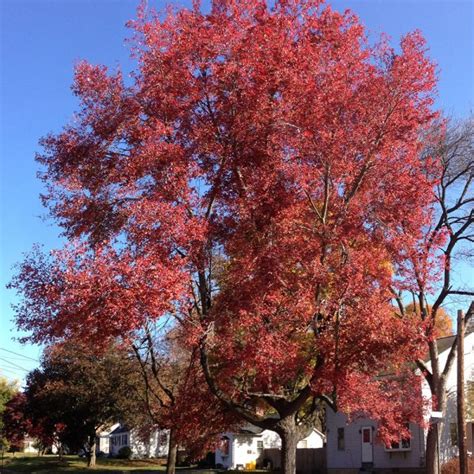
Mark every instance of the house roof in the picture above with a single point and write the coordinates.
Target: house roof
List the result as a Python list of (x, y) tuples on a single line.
[(249, 429), (107, 428), (445, 343), (252, 430), (119, 430)]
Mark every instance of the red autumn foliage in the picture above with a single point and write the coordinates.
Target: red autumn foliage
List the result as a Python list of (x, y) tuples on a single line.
[(16, 422), (258, 181)]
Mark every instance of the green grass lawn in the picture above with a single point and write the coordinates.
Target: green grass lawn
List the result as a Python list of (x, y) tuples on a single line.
[(51, 464)]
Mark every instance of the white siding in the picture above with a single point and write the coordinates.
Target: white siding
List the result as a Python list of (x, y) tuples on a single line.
[(350, 456), (103, 444), (155, 446), (314, 440), (244, 448), (29, 446), (447, 450)]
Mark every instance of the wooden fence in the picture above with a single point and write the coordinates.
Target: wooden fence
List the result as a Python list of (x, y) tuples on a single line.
[(308, 460)]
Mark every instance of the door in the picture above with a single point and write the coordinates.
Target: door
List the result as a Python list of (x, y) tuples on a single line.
[(367, 452)]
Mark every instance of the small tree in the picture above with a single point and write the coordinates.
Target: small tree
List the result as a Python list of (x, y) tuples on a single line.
[(76, 392), (15, 421), (8, 390)]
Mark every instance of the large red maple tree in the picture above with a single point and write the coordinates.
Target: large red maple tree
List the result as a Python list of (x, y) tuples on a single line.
[(258, 181)]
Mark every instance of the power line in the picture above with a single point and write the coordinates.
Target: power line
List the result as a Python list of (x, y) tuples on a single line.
[(14, 365), (21, 361), (13, 371), (21, 355), (14, 358)]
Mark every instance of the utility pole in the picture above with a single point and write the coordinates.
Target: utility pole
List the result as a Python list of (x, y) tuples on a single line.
[(462, 439)]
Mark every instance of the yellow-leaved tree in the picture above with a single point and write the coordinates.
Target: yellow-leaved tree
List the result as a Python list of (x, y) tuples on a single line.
[(443, 322)]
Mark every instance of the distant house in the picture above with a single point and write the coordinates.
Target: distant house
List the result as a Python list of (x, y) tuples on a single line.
[(103, 438), (244, 448), (155, 444), (352, 446), (29, 445)]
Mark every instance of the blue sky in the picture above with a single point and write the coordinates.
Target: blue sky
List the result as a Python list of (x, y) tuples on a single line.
[(41, 40)]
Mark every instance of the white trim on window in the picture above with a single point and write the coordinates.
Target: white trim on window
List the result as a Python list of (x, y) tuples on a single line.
[(402, 446)]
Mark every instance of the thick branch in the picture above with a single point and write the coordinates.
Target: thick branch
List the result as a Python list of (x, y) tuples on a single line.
[(221, 395), (426, 372)]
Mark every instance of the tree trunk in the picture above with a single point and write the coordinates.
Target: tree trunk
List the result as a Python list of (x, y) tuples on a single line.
[(434, 431), (91, 457), (432, 450), (289, 435), (172, 454)]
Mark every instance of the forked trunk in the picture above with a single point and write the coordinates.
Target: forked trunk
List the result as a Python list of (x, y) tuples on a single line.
[(289, 435), (91, 457), (172, 454)]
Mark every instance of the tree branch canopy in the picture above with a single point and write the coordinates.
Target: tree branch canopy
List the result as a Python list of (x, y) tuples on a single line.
[(263, 169)]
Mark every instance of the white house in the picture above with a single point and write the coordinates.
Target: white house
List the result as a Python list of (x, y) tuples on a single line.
[(244, 448), (448, 433), (29, 445), (155, 444), (103, 438), (352, 446)]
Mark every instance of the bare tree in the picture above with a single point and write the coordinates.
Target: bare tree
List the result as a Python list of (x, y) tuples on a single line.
[(160, 382), (175, 393), (449, 238)]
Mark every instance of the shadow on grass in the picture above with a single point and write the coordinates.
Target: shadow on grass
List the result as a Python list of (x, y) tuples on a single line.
[(52, 465)]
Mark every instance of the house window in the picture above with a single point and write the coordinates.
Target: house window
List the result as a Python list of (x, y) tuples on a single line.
[(404, 444), (453, 433), (124, 439), (259, 447), (163, 438), (340, 439)]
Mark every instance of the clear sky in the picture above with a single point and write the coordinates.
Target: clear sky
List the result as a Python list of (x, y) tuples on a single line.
[(40, 41)]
